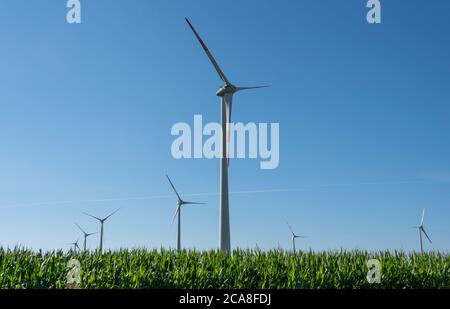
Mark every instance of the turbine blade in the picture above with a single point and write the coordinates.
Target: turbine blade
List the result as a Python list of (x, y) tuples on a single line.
[(111, 214), (423, 230), (173, 187), (91, 216), (249, 88), (423, 216), (208, 53), (290, 228), (80, 228), (193, 203), (175, 215)]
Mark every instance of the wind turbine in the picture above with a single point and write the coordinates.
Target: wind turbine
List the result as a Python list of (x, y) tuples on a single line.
[(102, 221), (86, 235), (294, 236), (225, 92), (421, 230), (180, 203), (75, 245)]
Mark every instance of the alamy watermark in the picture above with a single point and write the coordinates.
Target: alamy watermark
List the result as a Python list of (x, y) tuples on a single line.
[(73, 15), (374, 273), (374, 13), (249, 140), (73, 278)]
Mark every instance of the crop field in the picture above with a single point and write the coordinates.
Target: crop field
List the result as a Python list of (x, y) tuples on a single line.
[(211, 269)]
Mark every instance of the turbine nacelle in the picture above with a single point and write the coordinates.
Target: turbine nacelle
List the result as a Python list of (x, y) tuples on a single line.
[(226, 89), (232, 89), (180, 203)]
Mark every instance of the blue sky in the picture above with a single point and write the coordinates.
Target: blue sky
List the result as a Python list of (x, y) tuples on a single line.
[(86, 112)]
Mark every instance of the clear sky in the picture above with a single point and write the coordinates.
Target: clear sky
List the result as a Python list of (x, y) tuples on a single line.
[(364, 112)]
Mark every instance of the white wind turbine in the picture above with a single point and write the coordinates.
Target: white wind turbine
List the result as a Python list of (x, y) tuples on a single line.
[(102, 221), (226, 92), (294, 236), (86, 235), (180, 203), (421, 230), (75, 245)]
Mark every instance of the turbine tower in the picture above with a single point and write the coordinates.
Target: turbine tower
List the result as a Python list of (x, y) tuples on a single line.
[(180, 203), (421, 230), (102, 221), (225, 92), (86, 235), (294, 236), (75, 245)]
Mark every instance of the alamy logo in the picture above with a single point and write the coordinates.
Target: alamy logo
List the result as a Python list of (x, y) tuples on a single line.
[(73, 274), (374, 273), (249, 140), (374, 14), (74, 14)]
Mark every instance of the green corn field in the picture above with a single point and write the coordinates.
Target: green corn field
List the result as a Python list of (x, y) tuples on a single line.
[(244, 269)]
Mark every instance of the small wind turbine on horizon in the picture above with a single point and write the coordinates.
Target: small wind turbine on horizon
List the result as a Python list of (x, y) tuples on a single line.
[(75, 245), (102, 221), (180, 203), (421, 230), (86, 235), (225, 92), (294, 236)]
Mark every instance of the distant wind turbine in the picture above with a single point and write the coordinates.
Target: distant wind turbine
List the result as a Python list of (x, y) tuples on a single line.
[(294, 236), (86, 235), (180, 203), (102, 221), (225, 92), (75, 245), (421, 230)]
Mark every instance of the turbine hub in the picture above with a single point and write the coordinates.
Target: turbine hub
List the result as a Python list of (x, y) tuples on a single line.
[(226, 89)]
